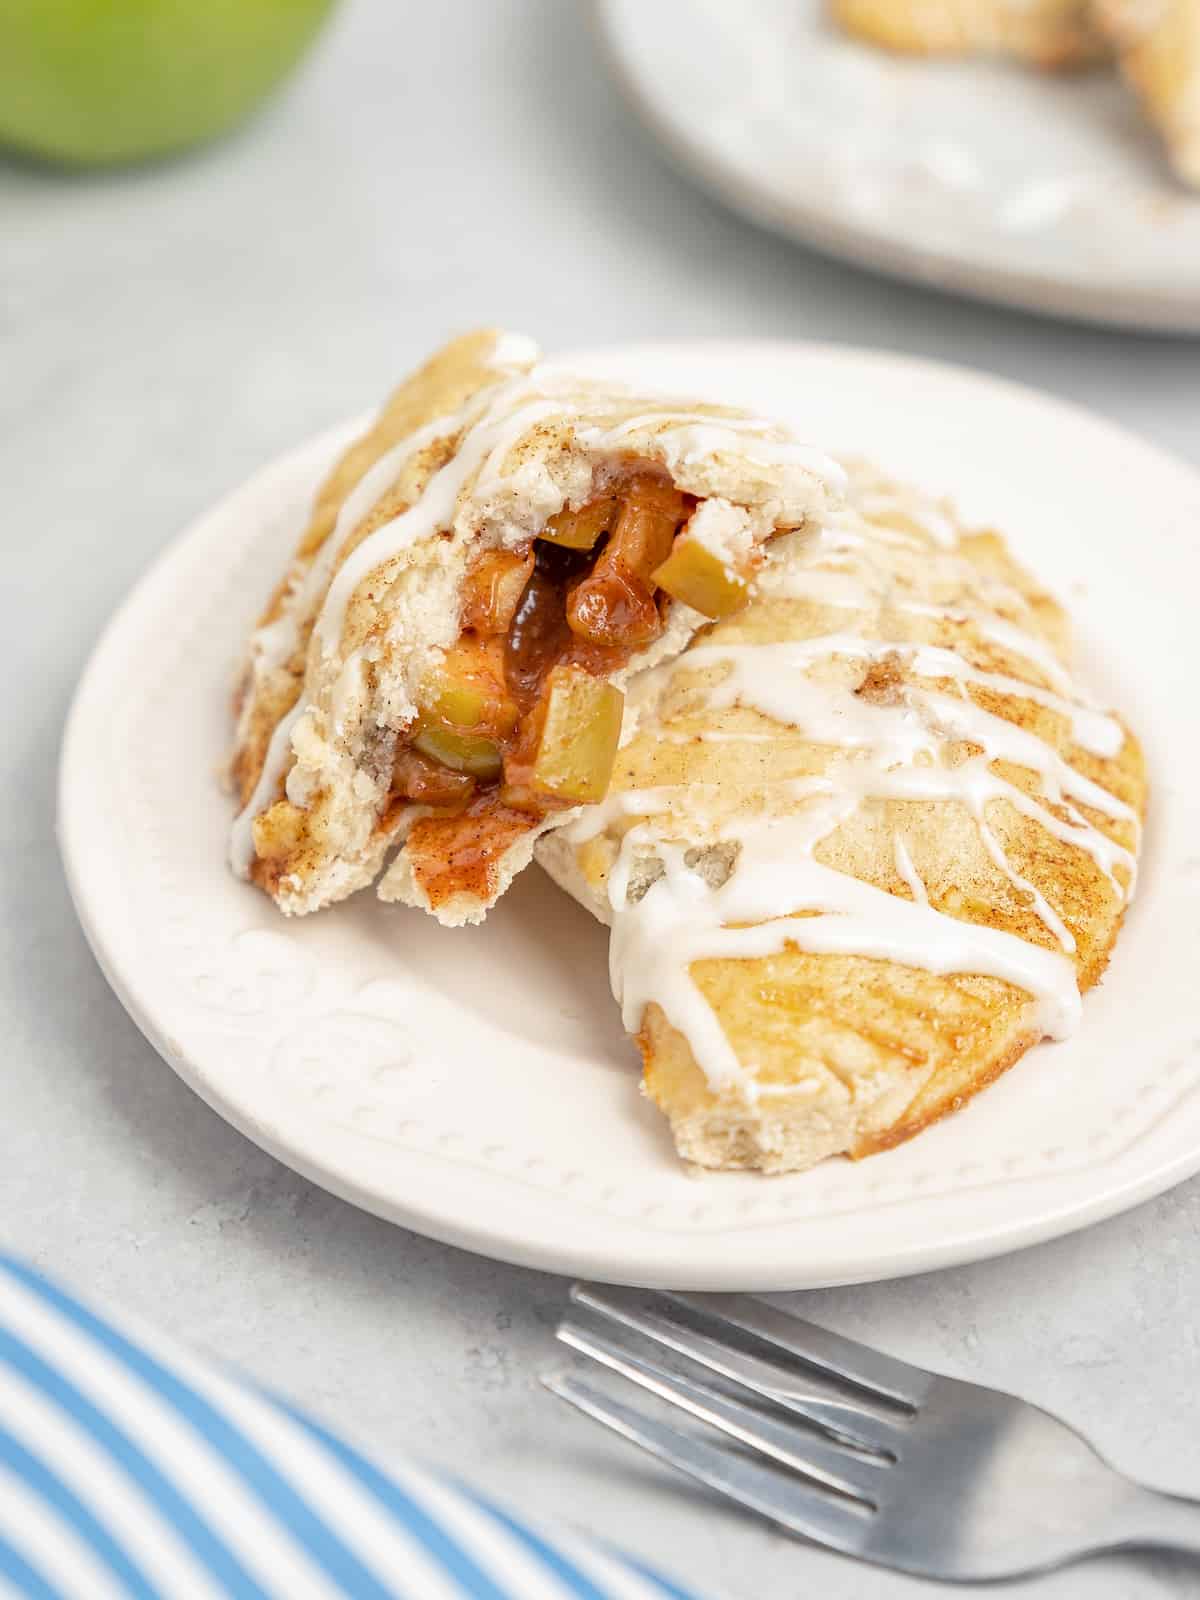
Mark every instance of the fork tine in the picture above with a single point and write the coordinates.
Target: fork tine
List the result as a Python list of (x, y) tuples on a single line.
[(792, 1445), (802, 1396), (832, 1353), (790, 1502), (838, 1358)]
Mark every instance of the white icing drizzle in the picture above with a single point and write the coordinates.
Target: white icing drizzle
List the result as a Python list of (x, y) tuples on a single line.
[(241, 840), (933, 519), (482, 449), (1045, 912), (1093, 730), (489, 424), (908, 872), (769, 678), (849, 530), (828, 580), (1007, 635), (274, 645), (712, 436), (906, 744), (975, 786), (619, 803), (705, 419), (826, 713), (1007, 741), (680, 920), (825, 586), (513, 350)]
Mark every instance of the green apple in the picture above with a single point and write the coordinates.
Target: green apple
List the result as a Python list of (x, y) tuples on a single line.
[(88, 82)]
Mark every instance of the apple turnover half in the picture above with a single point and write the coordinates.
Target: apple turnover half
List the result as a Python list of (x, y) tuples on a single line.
[(1050, 33), (865, 843), (440, 667)]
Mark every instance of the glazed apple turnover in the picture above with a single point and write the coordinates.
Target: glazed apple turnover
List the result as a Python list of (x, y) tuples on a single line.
[(865, 843), (439, 672)]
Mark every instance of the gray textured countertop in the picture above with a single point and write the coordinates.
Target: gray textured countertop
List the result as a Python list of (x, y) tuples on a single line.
[(163, 332)]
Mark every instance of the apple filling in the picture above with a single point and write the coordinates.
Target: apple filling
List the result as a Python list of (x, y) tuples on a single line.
[(519, 719)]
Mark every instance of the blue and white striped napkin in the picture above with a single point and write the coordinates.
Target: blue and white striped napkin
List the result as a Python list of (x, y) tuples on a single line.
[(130, 1470)]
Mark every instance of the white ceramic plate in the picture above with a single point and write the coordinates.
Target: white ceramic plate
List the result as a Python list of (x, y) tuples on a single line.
[(1040, 190), (476, 1084)]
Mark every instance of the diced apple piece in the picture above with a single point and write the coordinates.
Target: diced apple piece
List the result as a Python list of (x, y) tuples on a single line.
[(467, 689), (577, 742), (579, 530), (700, 579), (457, 700), (471, 753)]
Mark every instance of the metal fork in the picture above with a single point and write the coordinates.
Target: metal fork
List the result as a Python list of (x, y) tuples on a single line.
[(856, 1450)]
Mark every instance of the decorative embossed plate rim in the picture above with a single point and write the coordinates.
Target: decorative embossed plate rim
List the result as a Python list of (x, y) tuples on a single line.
[(1056, 197), (475, 1085)]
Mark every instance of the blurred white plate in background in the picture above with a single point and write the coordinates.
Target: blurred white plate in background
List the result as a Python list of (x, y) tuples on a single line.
[(475, 1084), (1042, 190)]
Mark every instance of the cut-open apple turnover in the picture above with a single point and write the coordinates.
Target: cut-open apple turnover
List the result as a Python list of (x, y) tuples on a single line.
[(865, 841), (439, 673)]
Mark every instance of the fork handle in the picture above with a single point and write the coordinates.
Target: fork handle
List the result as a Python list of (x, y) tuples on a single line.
[(1154, 1519)]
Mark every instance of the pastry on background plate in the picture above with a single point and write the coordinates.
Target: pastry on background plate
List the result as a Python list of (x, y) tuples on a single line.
[(865, 843), (436, 680), (1049, 33), (1158, 44)]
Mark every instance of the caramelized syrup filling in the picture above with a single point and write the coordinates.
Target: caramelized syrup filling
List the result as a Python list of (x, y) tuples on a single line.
[(522, 720)]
